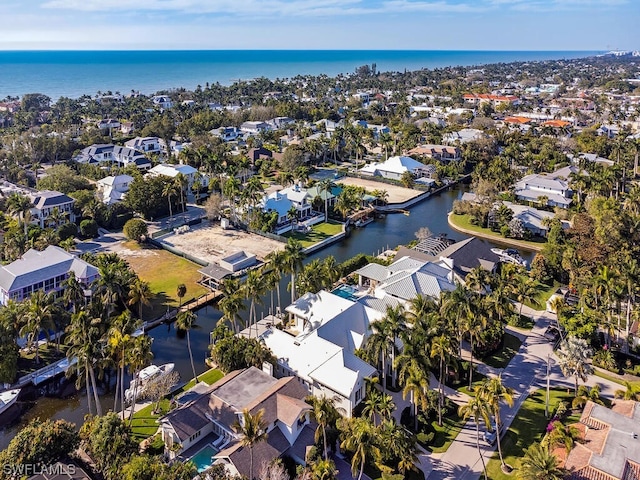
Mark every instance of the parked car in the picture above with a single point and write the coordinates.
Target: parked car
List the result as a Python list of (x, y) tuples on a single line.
[(552, 334)]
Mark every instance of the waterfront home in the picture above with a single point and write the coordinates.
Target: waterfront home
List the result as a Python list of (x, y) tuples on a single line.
[(394, 167), (45, 270), (609, 446), (207, 422), (45, 202), (532, 219), (112, 189), (283, 201), (323, 332), (553, 188), (145, 144)]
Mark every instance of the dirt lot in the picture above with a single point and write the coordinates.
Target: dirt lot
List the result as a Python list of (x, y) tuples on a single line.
[(210, 243), (396, 194)]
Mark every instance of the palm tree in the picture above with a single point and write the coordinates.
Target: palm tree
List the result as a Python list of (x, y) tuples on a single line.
[(181, 291), (586, 394), (441, 348), (416, 384), (186, 321), (140, 293), (573, 358), (230, 305), (38, 317), (277, 265), (20, 206), (168, 190), (254, 287), (181, 183), (474, 325), (538, 463), (325, 186), (252, 430), (359, 436), (119, 341), (324, 413), (480, 410), (293, 259), (493, 392), (631, 391), (525, 291), (138, 357)]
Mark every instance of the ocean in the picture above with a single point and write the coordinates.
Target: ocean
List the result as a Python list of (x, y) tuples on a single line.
[(76, 73)]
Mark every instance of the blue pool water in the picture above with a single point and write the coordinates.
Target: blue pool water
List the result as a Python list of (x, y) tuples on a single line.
[(202, 459), (345, 291)]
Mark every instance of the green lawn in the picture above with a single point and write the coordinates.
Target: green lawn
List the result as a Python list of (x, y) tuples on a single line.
[(502, 357), (165, 271), (528, 427), (446, 434), (319, 232), (545, 292), (144, 422), (464, 221), (611, 378)]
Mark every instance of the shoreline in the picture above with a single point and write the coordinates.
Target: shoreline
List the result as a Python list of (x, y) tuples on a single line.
[(494, 238)]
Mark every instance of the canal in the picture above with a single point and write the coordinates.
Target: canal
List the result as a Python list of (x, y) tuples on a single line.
[(171, 346)]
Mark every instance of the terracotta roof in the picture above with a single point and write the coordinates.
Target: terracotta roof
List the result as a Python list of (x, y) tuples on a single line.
[(555, 123), (519, 120), (590, 473), (624, 407)]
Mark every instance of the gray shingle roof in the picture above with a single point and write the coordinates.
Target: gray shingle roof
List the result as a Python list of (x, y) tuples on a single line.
[(50, 198)]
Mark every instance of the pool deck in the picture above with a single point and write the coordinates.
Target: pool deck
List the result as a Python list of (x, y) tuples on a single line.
[(204, 441)]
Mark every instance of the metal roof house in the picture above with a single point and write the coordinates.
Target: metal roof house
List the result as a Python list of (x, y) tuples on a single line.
[(46, 270)]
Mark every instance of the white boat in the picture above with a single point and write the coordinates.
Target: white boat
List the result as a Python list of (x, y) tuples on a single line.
[(146, 375), (361, 222), (7, 399), (510, 255)]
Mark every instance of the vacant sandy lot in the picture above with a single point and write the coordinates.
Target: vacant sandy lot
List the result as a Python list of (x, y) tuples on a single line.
[(396, 194), (210, 243)]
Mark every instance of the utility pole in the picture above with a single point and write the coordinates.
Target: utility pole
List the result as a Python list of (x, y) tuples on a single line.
[(546, 405)]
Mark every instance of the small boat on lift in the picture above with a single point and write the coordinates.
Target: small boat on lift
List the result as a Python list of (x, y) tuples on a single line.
[(361, 222), (7, 399), (145, 376), (510, 255)]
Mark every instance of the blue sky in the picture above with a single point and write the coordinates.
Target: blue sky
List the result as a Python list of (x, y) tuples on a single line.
[(321, 24)]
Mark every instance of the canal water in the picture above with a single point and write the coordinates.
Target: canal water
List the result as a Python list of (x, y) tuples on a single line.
[(171, 346)]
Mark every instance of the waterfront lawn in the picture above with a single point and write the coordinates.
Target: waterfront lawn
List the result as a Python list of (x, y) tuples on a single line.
[(501, 357), (144, 422), (47, 354), (528, 427), (319, 232), (165, 271), (464, 221)]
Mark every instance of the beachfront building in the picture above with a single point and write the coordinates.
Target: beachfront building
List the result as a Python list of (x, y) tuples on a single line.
[(45, 202), (45, 270), (206, 422), (394, 167), (112, 189)]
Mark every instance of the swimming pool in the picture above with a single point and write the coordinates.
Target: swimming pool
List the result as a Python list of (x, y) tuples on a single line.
[(202, 460), (346, 291)]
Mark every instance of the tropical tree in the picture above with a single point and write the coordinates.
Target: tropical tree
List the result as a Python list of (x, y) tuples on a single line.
[(538, 463), (181, 291), (359, 436), (525, 291), (169, 189), (293, 259), (324, 413), (325, 186), (186, 321), (119, 340), (140, 293), (442, 348), (253, 430), (493, 392), (573, 357), (478, 408), (138, 357), (38, 317), (630, 392), (253, 288), (586, 394)]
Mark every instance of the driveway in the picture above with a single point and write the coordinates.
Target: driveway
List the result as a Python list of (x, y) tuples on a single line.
[(525, 373)]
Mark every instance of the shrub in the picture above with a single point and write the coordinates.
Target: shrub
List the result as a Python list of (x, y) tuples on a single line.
[(135, 229), (89, 228), (68, 230)]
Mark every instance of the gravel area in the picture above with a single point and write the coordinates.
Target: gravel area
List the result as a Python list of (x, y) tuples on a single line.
[(210, 243)]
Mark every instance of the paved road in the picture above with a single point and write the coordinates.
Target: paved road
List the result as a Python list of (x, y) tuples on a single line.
[(525, 373)]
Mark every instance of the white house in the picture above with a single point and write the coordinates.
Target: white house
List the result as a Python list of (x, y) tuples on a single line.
[(284, 200), (170, 170), (112, 189), (45, 270), (126, 156), (162, 101), (255, 128), (145, 144), (226, 134), (395, 167), (46, 201), (463, 136), (553, 186)]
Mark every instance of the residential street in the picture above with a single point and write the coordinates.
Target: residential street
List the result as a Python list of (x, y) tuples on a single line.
[(525, 373)]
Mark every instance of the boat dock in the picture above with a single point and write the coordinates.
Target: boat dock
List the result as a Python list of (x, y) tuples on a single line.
[(46, 373)]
